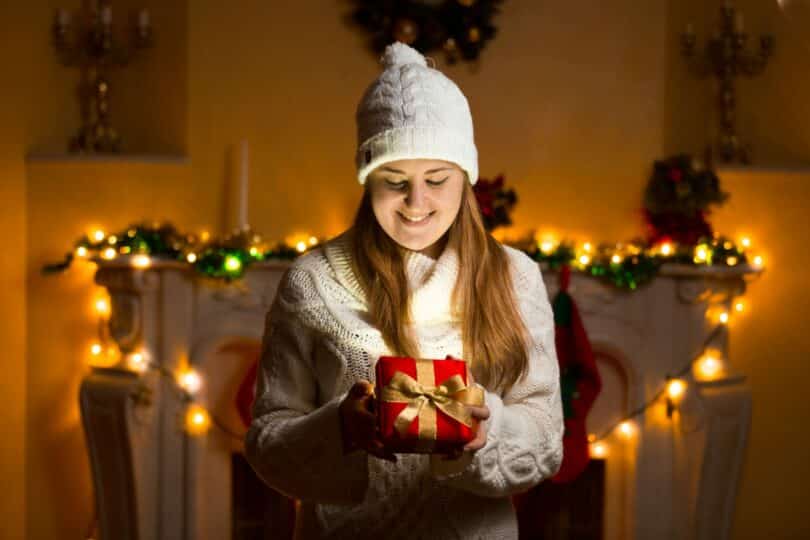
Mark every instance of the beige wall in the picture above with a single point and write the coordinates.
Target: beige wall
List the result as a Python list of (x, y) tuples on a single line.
[(572, 102)]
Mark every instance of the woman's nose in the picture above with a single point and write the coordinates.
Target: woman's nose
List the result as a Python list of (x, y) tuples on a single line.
[(416, 195)]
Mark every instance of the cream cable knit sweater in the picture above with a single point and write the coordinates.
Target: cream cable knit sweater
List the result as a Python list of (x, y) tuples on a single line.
[(318, 342)]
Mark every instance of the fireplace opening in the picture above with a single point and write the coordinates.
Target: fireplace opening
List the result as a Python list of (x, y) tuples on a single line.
[(259, 512), (570, 511)]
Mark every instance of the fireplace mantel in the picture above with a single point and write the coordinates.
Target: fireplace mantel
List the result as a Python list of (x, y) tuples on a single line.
[(676, 479)]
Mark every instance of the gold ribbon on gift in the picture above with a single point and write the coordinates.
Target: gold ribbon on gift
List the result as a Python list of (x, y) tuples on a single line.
[(424, 398)]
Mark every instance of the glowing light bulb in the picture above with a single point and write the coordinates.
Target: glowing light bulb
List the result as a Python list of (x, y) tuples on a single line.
[(81, 251), (758, 261), (253, 251), (137, 362), (191, 257), (96, 348), (232, 264), (109, 254), (141, 261), (313, 241), (598, 450), (204, 236), (745, 241), (666, 249), (676, 388), (584, 259), (547, 246), (701, 253), (190, 381), (301, 247), (739, 306), (731, 260), (131, 233), (723, 317), (728, 245), (627, 429), (616, 259), (102, 306), (98, 235), (587, 247), (198, 420), (710, 366), (112, 239)]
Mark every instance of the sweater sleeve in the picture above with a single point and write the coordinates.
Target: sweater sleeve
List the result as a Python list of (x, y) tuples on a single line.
[(525, 428), (294, 442)]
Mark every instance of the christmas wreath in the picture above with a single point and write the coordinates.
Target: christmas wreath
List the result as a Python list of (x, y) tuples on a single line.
[(460, 28)]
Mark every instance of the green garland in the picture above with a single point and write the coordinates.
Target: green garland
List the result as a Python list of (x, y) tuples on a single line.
[(228, 258)]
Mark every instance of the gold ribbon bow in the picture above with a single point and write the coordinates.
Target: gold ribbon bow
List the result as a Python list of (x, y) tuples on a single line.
[(424, 399)]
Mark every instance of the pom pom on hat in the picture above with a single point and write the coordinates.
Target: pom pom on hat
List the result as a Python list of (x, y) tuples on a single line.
[(398, 54), (412, 111)]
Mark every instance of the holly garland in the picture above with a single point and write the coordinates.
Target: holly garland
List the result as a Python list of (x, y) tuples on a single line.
[(626, 266), (225, 259)]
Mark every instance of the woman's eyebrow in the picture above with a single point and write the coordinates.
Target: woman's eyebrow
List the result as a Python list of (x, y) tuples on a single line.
[(431, 171)]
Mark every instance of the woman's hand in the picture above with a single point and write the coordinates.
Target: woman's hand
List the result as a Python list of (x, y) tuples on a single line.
[(358, 421), (480, 416)]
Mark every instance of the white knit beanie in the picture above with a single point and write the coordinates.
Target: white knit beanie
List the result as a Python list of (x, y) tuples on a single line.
[(412, 111)]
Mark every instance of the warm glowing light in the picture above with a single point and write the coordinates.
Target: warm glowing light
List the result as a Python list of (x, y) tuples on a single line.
[(102, 307), (96, 348), (723, 317), (584, 259), (313, 241), (746, 242), (587, 247), (301, 247), (701, 253), (666, 248), (81, 251), (739, 306), (758, 261), (131, 233), (112, 239), (676, 388), (191, 257), (109, 254), (731, 260), (598, 450), (197, 420), (204, 236), (141, 261), (728, 245), (591, 437), (547, 246), (232, 264), (137, 362), (616, 259), (190, 381), (253, 251), (710, 366), (627, 429), (98, 235)]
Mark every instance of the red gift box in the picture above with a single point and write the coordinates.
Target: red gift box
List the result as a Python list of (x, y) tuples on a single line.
[(421, 404)]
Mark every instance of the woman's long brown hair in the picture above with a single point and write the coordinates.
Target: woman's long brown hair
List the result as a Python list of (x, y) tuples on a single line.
[(493, 332)]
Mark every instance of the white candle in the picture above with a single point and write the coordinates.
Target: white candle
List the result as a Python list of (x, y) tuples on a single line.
[(62, 17), (738, 22), (106, 15), (143, 18), (243, 186)]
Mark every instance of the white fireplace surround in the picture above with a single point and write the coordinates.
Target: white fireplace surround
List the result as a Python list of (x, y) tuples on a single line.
[(676, 479)]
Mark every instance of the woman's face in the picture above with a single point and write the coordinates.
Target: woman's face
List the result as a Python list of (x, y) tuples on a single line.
[(416, 200)]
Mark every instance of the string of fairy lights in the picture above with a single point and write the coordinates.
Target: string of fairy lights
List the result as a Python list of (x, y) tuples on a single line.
[(707, 365)]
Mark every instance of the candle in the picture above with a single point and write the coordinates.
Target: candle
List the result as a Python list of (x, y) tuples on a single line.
[(62, 17), (738, 22), (143, 18), (106, 15), (690, 29), (243, 186)]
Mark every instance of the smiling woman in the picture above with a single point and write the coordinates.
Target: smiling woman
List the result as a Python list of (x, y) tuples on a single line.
[(416, 200), (417, 275)]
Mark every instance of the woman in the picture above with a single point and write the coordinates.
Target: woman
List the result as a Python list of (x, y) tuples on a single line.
[(416, 275)]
